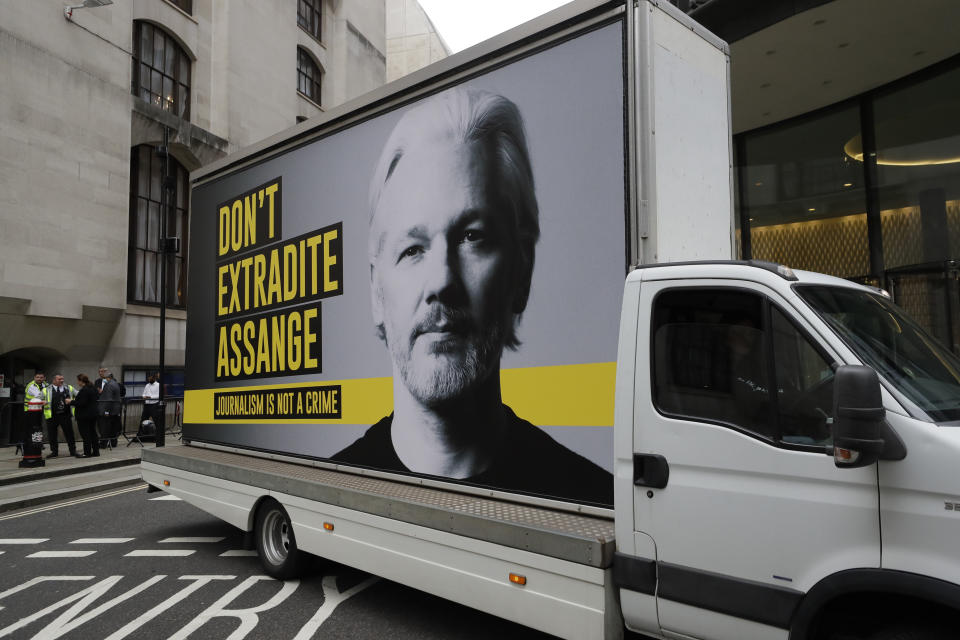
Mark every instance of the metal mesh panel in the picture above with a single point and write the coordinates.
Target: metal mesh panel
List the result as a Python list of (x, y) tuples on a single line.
[(837, 246)]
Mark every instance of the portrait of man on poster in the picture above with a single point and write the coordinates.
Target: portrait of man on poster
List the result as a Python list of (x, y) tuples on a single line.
[(454, 224)]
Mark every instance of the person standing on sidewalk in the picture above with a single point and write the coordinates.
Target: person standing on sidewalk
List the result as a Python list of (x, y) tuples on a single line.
[(101, 380), (35, 405), (109, 407), (151, 404), (85, 406), (60, 397)]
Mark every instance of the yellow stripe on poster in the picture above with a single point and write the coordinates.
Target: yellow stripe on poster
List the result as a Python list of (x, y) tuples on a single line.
[(565, 395), (573, 395)]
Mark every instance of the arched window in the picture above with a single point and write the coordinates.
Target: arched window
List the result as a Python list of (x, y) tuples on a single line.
[(161, 69), (308, 16), (146, 182), (308, 75)]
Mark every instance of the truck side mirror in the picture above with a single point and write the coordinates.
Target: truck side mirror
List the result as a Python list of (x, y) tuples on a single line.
[(858, 415)]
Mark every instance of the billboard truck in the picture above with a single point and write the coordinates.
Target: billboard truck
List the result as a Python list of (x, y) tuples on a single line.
[(479, 332)]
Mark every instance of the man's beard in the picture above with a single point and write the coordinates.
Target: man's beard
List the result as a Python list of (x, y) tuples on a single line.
[(445, 374)]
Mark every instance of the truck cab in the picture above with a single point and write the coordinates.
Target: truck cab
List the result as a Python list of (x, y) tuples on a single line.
[(786, 447)]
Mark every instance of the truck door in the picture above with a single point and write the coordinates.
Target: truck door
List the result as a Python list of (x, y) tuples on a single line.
[(736, 400)]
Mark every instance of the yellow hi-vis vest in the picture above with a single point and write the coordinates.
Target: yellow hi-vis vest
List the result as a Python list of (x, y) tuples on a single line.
[(48, 393), (37, 400)]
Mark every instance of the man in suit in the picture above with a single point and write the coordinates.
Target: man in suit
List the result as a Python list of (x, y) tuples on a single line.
[(109, 406), (99, 382)]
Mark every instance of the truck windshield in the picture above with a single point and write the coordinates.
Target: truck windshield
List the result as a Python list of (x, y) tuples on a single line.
[(885, 338)]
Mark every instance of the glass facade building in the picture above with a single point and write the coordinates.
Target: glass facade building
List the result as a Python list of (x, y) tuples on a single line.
[(867, 189)]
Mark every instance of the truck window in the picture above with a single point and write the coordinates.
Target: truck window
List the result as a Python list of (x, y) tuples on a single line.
[(804, 385), (887, 339), (710, 358), (717, 358)]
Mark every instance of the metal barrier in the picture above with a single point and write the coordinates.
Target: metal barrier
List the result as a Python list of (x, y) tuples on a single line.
[(133, 415), (10, 424)]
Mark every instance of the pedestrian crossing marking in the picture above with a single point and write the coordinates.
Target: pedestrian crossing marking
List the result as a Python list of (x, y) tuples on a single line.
[(62, 554), (191, 540), (238, 553), (166, 497), (158, 553), (22, 540), (101, 540)]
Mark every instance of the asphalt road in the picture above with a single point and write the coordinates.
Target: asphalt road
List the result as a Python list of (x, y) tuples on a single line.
[(129, 565)]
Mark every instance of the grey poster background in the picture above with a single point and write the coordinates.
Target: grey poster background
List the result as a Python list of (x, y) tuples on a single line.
[(571, 98)]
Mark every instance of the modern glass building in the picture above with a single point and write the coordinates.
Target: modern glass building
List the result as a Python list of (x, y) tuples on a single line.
[(847, 142)]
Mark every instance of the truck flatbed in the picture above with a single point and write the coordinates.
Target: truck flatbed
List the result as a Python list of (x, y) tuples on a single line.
[(579, 538)]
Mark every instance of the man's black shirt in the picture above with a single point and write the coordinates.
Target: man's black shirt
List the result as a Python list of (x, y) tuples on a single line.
[(530, 462)]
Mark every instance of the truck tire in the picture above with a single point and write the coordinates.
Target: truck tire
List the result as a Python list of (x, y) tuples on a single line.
[(276, 543)]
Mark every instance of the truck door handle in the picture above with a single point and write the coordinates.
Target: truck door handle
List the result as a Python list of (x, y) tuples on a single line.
[(650, 470)]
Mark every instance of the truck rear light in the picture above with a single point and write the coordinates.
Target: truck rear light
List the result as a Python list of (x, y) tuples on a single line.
[(328, 526), (516, 578), (166, 483)]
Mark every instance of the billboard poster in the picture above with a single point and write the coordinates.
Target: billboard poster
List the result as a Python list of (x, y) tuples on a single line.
[(434, 291)]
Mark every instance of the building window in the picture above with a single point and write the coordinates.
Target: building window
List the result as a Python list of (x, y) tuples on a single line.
[(184, 5), (802, 198), (143, 281), (308, 75), (161, 70), (308, 16)]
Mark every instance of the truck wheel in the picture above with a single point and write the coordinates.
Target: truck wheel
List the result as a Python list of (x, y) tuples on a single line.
[(276, 544)]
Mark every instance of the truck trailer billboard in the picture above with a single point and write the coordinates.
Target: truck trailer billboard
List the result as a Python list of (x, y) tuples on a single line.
[(432, 291)]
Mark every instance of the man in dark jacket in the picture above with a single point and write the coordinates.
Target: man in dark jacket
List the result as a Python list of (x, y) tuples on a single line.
[(110, 405), (61, 396)]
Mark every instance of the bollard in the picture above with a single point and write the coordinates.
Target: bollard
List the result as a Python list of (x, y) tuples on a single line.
[(33, 443)]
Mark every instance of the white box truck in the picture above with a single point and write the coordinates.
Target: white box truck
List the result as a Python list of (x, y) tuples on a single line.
[(479, 333)]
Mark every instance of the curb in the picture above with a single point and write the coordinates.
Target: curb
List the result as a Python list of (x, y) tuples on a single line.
[(67, 471), (59, 496)]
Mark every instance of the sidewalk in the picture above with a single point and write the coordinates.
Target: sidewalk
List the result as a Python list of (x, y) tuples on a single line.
[(66, 477)]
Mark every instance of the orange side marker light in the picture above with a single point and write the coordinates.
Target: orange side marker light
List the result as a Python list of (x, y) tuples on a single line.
[(516, 578)]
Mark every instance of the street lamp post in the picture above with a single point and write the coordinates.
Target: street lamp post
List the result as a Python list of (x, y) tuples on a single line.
[(166, 245)]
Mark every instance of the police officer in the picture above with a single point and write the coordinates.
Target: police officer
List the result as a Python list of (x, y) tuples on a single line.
[(36, 406), (59, 399)]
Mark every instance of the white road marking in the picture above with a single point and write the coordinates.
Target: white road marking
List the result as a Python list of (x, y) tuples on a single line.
[(101, 540), (248, 617), (192, 540), (331, 598), (158, 553), (61, 554), (135, 624), (70, 620), (37, 580), (169, 496), (22, 540), (69, 503), (238, 553)]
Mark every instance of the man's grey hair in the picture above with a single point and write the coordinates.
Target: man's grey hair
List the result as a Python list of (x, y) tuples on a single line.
[(468, 116)]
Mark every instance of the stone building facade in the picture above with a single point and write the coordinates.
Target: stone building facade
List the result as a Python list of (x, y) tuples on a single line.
[(412, 40), (85, 102)]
